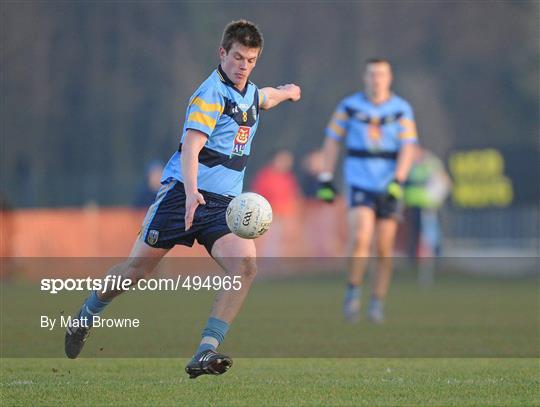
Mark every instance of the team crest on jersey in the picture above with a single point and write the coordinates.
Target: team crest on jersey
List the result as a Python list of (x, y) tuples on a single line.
[(241, 139), (359, 197), (374, 129), (152, 238)]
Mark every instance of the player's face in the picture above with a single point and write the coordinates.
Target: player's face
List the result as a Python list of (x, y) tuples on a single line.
[(238, 63), (378, 78)]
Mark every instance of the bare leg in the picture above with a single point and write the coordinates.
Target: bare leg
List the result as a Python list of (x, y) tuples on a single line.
[(237, 257), (142, 260), (386, 234), (361, 227)]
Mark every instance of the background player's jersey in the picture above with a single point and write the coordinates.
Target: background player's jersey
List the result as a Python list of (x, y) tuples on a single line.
[(229, 118), (373, 135)]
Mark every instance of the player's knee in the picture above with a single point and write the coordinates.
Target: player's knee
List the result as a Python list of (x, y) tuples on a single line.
[(248, 267), (360, 245), (383, 251)]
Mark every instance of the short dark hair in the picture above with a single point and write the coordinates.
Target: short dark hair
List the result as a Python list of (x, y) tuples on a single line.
[(370, 61), (243, 32)]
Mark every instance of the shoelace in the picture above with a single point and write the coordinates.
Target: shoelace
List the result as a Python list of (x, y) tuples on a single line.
[(79, 333)]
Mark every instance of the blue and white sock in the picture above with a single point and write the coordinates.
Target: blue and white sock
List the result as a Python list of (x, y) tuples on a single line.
[(92, 306), (213, 334), (352, 292), (375, 304)]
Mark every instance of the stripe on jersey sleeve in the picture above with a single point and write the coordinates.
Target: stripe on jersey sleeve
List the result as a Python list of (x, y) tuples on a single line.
[(408, 131), (337, 127), (204, 110), (207, 107), (262, 98)]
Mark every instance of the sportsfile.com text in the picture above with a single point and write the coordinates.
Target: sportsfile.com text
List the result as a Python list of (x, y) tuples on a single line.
[(117, 283)]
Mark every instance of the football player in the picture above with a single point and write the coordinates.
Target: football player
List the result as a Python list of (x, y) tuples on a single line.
[(378, 130), (198, 183)]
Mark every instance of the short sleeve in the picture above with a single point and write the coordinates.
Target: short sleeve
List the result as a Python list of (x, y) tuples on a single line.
[(337, 127), (204, 110), (407, 133), (262, 98)]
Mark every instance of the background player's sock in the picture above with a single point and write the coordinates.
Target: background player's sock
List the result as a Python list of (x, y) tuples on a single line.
[(92, 306), (375, 303), (353, 292), (213, 334), (351, 303), (376, 310)]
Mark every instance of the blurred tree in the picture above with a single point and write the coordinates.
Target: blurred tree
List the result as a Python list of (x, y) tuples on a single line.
[(90, 91)]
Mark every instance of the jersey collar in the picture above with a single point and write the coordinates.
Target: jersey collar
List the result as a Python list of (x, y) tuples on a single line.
[(225, 79), (368, 100)]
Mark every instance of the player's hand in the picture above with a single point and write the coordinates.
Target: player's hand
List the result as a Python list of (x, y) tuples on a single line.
[(293, 91), (326, 191), (193, 200), (394, 190)]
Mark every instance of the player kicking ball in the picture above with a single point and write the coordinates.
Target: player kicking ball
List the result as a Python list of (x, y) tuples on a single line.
[(198, 183)]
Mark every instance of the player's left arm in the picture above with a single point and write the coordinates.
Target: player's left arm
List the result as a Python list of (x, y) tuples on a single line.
[(403, 166), (408, 137), (407, 153), (405, 161), (271, 97)]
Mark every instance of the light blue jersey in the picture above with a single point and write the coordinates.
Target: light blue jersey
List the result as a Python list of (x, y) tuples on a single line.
[(229, 118), (373, 135)]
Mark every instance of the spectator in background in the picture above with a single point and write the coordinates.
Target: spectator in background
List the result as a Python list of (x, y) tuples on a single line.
[(312, 166), (278, 184), (323, 226), (6, 237), (146, 194), (426, 189)]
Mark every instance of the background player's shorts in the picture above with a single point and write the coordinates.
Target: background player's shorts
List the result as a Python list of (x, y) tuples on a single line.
[(163, 226), (384, 206)]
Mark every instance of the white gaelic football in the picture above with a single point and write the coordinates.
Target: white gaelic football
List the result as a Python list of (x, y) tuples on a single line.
[(249, 215)]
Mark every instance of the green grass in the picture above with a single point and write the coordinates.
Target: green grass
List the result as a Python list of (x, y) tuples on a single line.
[(464, 341), (457, 317), (287, 382)]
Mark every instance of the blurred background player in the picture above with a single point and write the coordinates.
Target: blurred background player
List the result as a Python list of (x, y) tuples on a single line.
[(427, 187), (278, 184), (379, 133), (199, 181), (317, 215), (146, 193)]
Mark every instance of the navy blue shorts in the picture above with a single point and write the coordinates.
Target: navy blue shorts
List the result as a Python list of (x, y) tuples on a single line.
[(384, 206), (164, 225)]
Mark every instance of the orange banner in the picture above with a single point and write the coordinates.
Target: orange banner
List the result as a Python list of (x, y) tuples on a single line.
[(317, 230)]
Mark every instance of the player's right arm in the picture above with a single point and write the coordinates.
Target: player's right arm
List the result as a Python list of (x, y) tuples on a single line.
[(191, 147), (335, 132), (205, 108)]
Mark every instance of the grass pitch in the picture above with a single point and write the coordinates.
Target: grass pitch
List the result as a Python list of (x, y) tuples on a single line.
[(282, 382), (464, 341)]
